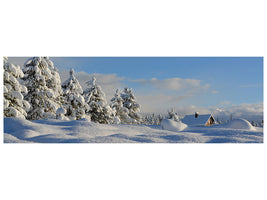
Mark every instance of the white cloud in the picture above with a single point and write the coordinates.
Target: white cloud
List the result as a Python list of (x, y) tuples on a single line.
[(245, 110), (175, 84), (158, 103)]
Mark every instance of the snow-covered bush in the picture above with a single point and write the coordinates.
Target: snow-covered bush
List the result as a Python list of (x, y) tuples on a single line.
[(44, 88), (14, 103), (133, 107), (99, 111), (74, 101), (61, 114)]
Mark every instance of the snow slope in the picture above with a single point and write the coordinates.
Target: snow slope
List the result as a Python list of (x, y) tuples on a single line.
[(82, 131)]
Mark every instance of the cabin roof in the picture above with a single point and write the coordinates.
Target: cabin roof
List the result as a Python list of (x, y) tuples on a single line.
[(200, 120)]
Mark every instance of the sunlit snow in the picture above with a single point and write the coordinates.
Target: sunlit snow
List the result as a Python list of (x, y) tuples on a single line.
[(83, 131)]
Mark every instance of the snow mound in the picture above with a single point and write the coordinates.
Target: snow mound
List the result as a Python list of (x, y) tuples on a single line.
[(171, 125), (239, 124)]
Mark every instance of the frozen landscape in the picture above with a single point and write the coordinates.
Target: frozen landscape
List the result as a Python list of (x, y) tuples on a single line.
[(82, 131), (41, 108)]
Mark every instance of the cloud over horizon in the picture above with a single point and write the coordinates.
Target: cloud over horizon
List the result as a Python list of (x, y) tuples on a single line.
[(189, 86)]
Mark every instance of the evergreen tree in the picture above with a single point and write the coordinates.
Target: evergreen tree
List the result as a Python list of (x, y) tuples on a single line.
[(121, 113), (172, 115), (99, 111), (74, 103), (44, 91), (133, 107), (14, 103)]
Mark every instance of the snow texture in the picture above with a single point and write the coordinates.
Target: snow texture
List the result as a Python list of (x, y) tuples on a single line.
[(83, 131), (171, 125), (61, 111), (238, 124)]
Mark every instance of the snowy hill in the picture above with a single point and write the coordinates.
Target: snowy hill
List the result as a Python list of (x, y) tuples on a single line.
[(82, 131)]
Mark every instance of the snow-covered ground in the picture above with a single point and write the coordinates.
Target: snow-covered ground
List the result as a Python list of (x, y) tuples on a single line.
[(82, 131)]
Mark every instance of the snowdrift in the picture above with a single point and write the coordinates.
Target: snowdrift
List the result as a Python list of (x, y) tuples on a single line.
[(171, 125), (239, 124)]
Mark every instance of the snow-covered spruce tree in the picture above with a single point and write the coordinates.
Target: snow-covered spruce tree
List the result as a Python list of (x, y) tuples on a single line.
[(172, 115), (133, 107), (14, 103), (44, 88), (121, 113), (99, 111), (74, 105)]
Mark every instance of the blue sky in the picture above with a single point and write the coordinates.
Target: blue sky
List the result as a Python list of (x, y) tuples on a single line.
[(235, 79), (185, 83)]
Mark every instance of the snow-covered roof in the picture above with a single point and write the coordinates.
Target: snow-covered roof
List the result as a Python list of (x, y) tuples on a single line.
[(200, 120)]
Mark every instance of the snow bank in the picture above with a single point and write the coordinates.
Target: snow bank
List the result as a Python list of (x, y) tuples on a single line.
[(171, 125), (239, 124)]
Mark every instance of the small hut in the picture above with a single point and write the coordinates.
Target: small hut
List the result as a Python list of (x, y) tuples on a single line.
[(199, 120)]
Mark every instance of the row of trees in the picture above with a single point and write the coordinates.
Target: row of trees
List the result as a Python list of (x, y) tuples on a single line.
[(36, 93)]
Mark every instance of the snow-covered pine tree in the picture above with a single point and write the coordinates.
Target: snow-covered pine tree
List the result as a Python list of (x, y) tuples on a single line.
[(44, 88), (172, 115), (74, 101), (14, 103), (133, 107), (99, 111), (121, 112)]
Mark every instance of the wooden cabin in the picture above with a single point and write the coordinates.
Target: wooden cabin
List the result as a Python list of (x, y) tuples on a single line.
[(199, 120)]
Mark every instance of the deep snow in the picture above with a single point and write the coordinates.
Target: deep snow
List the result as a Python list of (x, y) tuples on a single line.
[(171, 125), (82, 131)]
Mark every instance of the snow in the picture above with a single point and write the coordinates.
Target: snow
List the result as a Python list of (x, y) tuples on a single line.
[(16, 95), (171, 125), (238, 124), (61, 111), (84, 131)]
